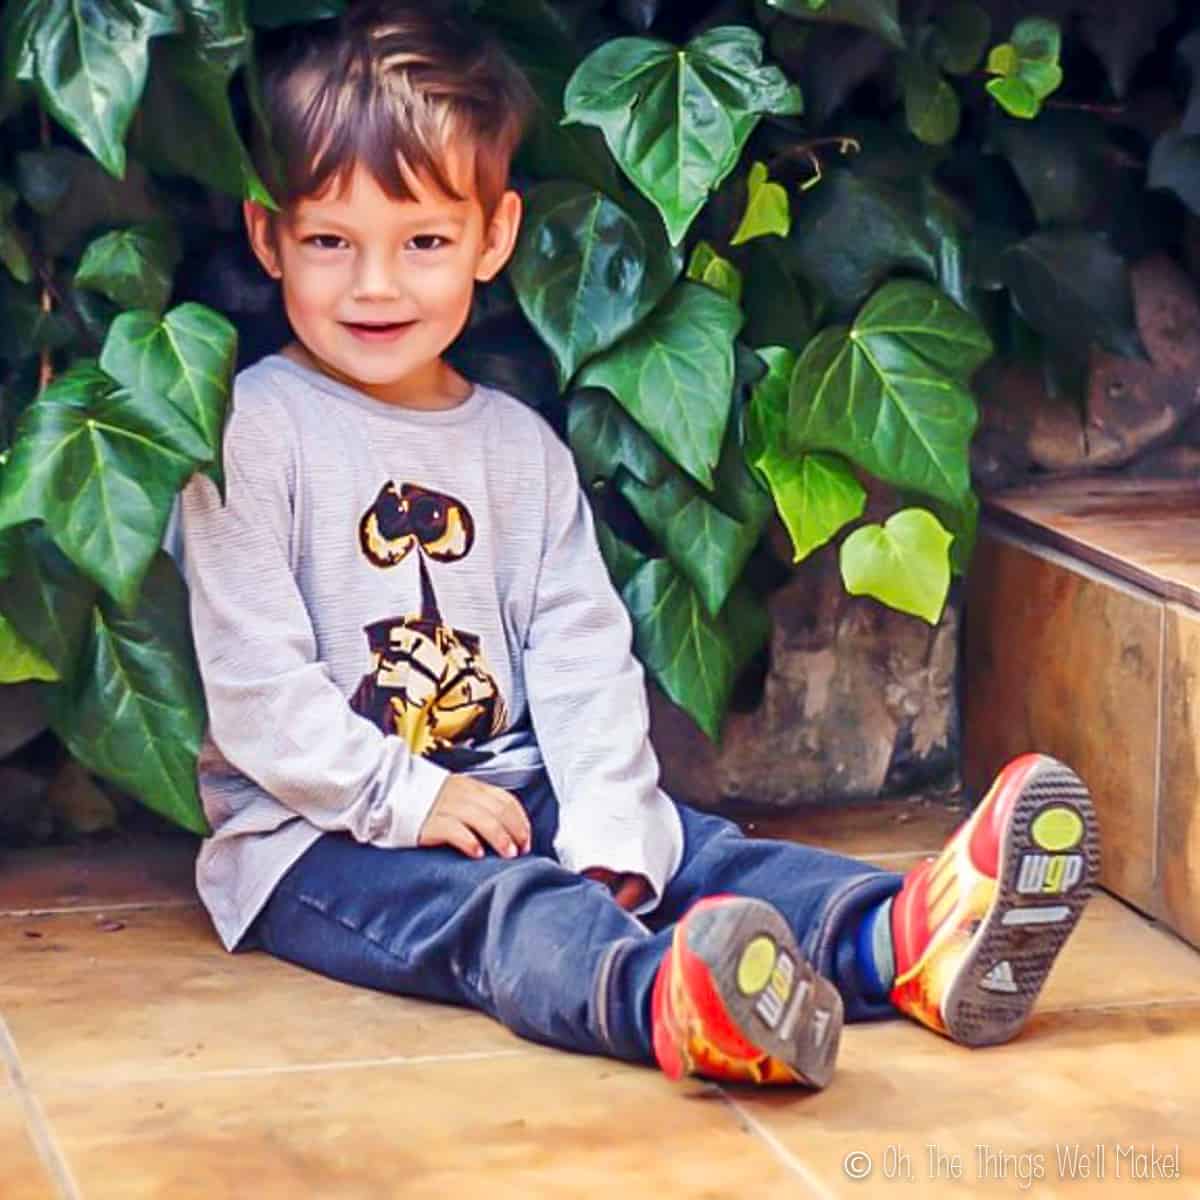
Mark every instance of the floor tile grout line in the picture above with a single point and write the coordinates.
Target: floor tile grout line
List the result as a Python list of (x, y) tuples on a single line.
[(121, 906), (352, 1064), (755, 1127), (36, 1123)]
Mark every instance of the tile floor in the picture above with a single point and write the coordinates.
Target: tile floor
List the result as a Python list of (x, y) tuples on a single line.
[(137, 1059)]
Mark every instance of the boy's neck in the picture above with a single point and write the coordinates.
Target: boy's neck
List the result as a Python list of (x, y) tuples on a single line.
[(447, 388)]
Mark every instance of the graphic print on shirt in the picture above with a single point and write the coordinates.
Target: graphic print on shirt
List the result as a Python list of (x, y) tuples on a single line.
[(429, 683)]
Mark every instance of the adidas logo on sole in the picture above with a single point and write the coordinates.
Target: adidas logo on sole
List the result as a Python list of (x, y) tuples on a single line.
[(999, 978)]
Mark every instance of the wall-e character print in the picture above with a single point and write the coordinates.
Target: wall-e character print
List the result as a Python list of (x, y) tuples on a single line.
[(429, 684)]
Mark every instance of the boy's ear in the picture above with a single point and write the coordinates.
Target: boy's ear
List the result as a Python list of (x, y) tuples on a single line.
[(261, 233), (500, 237)]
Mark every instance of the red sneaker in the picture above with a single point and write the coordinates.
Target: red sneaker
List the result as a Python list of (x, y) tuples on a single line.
[(734, 999), (976, 930)]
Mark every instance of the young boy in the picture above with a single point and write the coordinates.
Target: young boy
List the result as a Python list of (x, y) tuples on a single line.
[(427, 769)]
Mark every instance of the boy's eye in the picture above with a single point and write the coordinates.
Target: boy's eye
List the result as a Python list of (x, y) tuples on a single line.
[(325, 241), (429, 241)]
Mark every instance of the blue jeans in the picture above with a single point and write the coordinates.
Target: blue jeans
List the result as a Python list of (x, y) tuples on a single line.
[(542, 949)]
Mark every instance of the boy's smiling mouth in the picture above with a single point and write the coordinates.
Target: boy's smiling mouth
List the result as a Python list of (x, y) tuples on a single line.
[(377, 331)]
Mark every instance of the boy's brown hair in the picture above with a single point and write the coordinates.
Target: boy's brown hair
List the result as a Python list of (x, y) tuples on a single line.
[(390, 85)]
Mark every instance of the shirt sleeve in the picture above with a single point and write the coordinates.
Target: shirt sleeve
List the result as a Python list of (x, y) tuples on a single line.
[(274, 711), (587, 701)]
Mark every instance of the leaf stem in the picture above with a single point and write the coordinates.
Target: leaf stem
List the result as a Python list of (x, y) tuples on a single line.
[(46, 365), (808, 151)]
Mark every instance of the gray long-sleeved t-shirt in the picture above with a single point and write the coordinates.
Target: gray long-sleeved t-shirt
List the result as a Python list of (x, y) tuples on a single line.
[(389, 595)]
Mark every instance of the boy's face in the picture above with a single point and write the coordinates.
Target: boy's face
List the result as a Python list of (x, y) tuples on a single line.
[(376, 288)]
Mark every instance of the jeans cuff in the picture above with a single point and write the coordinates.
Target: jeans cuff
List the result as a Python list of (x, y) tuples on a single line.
[(618, 1028), (849, 904)]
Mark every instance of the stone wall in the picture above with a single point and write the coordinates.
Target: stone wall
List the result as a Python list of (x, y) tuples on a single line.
[(859, 701)]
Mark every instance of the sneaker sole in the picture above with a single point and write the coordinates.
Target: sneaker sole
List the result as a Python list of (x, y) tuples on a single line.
[(1046, 879), (768, 988)]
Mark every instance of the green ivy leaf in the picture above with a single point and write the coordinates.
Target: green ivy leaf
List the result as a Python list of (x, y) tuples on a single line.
[(541, 38), (74, 195), (185, 359), (738, 491), (1175, 165), (778, 307), (931, 106), (1188, 51), (585, 273), (890, 391), (101, 454), (879, 229), (133, 709), (186, 126), (1123, 34), (1074, 289), (959, 36), (12, 247), (25, 328), (622, 559), (707, 544), (19, 660), (947, 226), (817, 495), (16, 56), (962, 522), (746, 623), (274, 14), (44, 596), (767, 411), (133, 267), (707, 547), (218, 32), (687, 651), (674, 375), (904, 563), (89, 61), (101, 467), (677, 119), (708, 535), (1027, 67), (880, 17), (605, 438), (767, 208), (1062, 160), (709, 268)]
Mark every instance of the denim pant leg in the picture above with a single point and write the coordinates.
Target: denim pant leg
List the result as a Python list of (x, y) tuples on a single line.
[(524, 940), (822, 895)]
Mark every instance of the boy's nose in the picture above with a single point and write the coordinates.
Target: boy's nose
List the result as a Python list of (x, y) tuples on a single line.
[(375, 279)]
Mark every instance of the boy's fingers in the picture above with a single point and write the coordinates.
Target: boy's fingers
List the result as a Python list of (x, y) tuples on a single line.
[(517, 820), (462, 839), (489, 826), (440, 830), (509, 810)]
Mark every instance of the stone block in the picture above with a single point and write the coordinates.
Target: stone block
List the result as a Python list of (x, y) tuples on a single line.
[(1179, 805), (859, 701), (1063, 661)]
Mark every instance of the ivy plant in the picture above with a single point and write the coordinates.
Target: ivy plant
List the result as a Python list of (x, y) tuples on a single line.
[(767, 246)]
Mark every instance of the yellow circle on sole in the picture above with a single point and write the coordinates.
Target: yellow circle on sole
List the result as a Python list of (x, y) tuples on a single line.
[(1057, 828), (757, 963)]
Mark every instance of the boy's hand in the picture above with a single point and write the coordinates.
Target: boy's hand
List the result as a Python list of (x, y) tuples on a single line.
[(468, 809), (628, 890)]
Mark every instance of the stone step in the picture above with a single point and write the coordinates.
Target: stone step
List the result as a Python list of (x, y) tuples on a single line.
[(1083, 640)]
